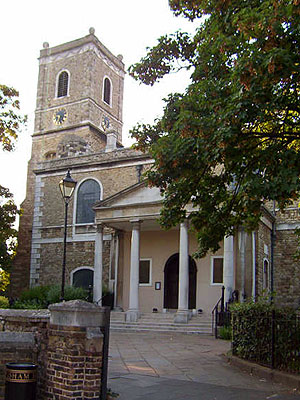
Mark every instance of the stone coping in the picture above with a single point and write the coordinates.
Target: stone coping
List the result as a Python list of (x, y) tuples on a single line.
[(77, 313), (75, 305), (11, 314)]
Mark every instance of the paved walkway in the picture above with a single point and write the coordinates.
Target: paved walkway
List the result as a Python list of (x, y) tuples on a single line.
[(152, 366)]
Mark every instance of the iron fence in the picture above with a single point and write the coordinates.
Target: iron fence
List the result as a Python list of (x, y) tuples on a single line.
[(271, 339)]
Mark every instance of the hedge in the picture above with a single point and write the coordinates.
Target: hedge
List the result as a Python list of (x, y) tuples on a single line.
[(267, 335)]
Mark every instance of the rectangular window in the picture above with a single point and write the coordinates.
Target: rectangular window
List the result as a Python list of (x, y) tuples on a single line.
[(217, 270), (145, 272)]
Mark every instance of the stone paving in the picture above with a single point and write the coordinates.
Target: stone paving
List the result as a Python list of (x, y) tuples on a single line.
[(179, 366)]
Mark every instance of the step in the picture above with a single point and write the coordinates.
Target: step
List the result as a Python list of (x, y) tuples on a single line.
[(130, 328), (161, 322)]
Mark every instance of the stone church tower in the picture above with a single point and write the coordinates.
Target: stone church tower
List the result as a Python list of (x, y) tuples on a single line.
[(78, 122)]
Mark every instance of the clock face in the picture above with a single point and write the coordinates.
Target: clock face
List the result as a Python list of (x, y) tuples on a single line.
[(60, 116)]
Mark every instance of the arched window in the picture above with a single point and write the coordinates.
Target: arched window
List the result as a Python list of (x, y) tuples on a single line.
[(107, 91), (83, 277), (266, 271), (63, 84), (87, 195)]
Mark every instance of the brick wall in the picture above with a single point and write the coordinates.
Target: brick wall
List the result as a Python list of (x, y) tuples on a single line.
[(14, 352), (34, 322), (74, 364), (69, 357)]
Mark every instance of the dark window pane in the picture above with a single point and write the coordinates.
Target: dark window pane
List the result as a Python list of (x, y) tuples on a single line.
[(266, 274), (87, 195), (107, 91), (144, 271), (83, 278), (63, 82), (218, 270)]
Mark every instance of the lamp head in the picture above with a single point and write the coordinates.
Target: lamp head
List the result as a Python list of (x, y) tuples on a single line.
[(67, 186)]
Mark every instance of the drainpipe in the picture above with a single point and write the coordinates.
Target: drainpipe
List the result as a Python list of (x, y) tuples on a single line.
[(242, 260), (273, 236)]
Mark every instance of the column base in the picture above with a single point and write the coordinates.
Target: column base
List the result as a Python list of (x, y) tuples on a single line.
[(132, 316), (182, 316)]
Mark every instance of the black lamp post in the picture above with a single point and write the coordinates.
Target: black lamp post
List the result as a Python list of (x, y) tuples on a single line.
[(67, 186)]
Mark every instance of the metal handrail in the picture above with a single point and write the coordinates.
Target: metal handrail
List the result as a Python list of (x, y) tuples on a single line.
[(215, 312)]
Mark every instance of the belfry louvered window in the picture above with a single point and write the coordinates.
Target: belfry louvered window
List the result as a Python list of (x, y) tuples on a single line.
[(107, 91), (63, 83)]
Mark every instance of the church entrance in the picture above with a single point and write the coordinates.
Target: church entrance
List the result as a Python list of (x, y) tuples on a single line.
[(171, 281)]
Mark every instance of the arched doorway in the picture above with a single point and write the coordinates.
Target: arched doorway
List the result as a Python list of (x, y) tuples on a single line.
[(171, 281)]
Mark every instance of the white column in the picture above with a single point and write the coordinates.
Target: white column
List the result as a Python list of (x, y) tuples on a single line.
[(242, 239), (98, 265), (116, 269), (228, 268), (182, 314), (132, 314)]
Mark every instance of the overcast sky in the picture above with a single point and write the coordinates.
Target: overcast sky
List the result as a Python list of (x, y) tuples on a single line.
[(125, 27)]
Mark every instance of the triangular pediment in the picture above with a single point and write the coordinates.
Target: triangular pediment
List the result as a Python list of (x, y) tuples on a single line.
[(139, 193)]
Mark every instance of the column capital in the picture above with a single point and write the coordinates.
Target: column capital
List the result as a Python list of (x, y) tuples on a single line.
[(136, 223), (99, 227), (184, 224)]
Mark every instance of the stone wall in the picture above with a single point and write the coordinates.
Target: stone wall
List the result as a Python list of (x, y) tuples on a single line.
[(286, 269), (263, 252)]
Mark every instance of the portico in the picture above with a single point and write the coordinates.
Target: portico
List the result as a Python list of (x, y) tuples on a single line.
[(145, 249)]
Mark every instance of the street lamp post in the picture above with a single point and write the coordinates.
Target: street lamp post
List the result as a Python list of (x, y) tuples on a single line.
[(66, 186)]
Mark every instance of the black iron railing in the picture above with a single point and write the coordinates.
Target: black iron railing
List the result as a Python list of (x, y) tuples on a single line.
[(272, 341), (221, 315)]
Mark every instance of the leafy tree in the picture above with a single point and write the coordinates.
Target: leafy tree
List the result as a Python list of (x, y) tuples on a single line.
[(10, 123), (230, 142), (10, 118), (8, 213)]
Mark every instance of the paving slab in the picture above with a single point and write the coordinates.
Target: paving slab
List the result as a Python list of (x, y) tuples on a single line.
[(162, 366)]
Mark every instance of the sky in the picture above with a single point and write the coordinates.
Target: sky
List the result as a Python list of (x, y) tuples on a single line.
[(124, 27)]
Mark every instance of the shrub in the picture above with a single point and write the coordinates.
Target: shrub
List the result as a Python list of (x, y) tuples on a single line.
[(38, 293), (267, 335), (33, 298), (4, 303), (41, 296), (32, 304), (71, 293), (225, 333)]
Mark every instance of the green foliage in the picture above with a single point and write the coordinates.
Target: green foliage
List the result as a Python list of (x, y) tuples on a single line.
[(4, 280), (10, 119), (8, 234), (4, 303), (36, 293), (255, 324), (41, 296), (10, 123), (71, 293), (33, 304), (230, 141), (225, 333)]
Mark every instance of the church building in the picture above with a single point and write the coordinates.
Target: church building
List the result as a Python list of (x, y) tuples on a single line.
[(113, 237)]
